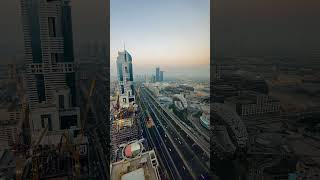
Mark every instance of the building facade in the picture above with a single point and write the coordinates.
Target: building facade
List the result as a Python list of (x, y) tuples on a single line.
[(250, 103), (125, 79), (49, 60), (161, 76), (157, 74)]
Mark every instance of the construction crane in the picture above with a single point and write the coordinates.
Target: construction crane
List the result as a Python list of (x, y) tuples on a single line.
[(20, 148), (73, 147), (70, 145), (83, 119)]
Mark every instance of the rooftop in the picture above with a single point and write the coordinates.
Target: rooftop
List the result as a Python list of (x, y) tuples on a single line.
[(142, 167)]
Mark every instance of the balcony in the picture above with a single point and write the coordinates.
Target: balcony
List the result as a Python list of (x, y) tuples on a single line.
[(63, 67), (35, 68)]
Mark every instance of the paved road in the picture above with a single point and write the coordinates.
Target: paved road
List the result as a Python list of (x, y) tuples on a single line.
[(200, 129), (191, 156), (201, 142)]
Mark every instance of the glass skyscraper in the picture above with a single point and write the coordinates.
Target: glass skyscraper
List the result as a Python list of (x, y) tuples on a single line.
[(157, 74), (161, 76), (125, 79)]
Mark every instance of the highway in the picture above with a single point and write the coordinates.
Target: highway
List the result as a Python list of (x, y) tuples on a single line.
[(201, 142), (181, 145), (200, 129), (167, 156)]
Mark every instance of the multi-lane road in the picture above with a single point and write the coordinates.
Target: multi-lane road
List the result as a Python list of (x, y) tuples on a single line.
[(183, 154)]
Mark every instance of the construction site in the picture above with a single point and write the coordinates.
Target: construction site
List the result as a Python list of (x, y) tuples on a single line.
[(45, 155), (136, 163), (124, 126)]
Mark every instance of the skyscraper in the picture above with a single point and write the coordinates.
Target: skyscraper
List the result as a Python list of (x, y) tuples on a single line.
[(49, 60), (125, 78), (157, 74), (161, 76)]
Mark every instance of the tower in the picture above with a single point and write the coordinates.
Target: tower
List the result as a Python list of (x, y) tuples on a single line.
[(49, 60), (161, 76), (157, 74), (125, 79)]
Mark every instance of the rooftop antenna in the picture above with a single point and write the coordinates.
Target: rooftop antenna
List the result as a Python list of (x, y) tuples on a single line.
[(124, 50)]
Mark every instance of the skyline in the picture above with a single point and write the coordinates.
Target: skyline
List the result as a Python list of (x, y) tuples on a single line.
[(178, 37)]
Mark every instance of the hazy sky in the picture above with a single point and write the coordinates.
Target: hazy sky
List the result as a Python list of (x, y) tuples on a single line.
[(266, 27), (168, 33)]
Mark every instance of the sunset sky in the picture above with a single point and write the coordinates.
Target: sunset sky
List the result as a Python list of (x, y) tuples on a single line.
[(168, 33)]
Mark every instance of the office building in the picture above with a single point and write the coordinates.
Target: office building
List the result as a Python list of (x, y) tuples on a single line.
[(157, 74), (125, 79), (49, 59), (250, 103), (153, 78), (161, 76)]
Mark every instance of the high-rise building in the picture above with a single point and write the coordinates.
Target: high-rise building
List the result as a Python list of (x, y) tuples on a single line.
[(125, 79), (153, 79), (161, 76), (49, 60), (157, 74)]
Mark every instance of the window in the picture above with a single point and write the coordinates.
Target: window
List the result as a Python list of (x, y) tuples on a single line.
[(126, 69), (61, 101), (131, 73), (122, 89), (132, 89), (67, 121), (124, 100), (52, 26), (40, 87), (46, 121), (55, 58)]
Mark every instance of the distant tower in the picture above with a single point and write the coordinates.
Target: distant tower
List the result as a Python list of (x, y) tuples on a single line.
[(161, 76), (153, 79), (49, 60), (157, 74), (125, 78)]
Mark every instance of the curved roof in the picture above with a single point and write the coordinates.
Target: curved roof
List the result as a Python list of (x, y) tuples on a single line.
[(232, 120), (132, 150)]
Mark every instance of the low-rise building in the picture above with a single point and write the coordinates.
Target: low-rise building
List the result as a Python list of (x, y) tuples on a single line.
[(226, 116), (250, 103), (307, 169), (137, 164), (11, 119)]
